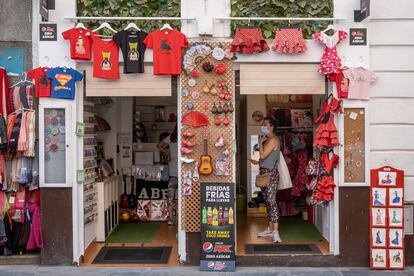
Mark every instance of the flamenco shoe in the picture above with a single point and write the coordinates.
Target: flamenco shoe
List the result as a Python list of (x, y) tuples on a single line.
[(187, 160), (188, 135), (188, 144), (186, 151), (219, 142)]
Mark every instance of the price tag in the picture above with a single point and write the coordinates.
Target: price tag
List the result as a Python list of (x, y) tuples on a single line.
[(12, 199)]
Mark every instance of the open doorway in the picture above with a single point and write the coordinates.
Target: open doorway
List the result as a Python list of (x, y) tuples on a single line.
[(130, 173), (303, 226)]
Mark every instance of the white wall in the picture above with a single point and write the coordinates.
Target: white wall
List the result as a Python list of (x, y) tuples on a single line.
[(392, 98)]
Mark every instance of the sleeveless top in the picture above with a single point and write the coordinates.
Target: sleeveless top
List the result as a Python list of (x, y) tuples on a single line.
[(270, 161)]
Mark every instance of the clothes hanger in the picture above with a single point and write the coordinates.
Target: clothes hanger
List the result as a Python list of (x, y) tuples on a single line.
[(329, 28), (23, 80), (105, 25), (166, 26), (80, 26), (132, 25)]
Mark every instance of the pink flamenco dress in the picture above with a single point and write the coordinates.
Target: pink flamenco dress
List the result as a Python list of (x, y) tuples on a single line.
[(330, 61)]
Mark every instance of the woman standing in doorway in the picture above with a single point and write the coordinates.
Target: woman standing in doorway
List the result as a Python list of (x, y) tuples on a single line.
[(269, 150), (170, 142)]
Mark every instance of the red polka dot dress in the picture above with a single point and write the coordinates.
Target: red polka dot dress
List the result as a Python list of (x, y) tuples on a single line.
[(330, 61)]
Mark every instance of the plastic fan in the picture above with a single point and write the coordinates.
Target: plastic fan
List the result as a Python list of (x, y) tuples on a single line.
[(195, 119)]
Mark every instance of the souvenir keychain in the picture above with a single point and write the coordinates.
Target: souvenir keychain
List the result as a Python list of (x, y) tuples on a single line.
[(222, 164), (196, 176), (187, 183)]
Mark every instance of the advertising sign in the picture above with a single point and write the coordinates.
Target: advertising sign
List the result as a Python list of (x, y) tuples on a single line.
[(218, 216), (47, 32), (358, 36)]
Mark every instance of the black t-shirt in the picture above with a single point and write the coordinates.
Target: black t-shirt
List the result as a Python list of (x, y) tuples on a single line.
[(133, 49)]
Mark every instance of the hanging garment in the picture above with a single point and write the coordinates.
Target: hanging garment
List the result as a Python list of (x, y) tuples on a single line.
[(3, 173), (289, 41), (35, 237), (326, 133), (25, 172), (249, 41), (35, 170), (4, 93), (330, 60), (3, 135), (14, 137), (22, 140), (301, 179), (30, 134)]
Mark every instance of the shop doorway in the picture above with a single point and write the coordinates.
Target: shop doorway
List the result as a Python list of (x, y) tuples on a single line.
[(126, 176), (304, 228)]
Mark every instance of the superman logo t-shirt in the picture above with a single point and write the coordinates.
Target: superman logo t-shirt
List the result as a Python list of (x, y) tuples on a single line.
[(63, 82)]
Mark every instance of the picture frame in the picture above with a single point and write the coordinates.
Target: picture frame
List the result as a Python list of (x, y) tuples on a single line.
[(395, 217), (378, 217), (395, 238), (396, 257), (395, 197), (387, 178), (378, 237), (379, 197), (379, 258)]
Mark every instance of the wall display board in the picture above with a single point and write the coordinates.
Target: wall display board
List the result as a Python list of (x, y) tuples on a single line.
[(217, 227), (387, 219), (207, 124), (354, 145)]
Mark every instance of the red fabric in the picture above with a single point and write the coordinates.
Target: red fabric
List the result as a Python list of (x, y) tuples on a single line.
[(43, 85), (342, 83), (105, 59), (4, 93), (335, 105), (167, 48), (289, 41), (80, 43), (329, 163), (330, 60), (301, 179), (325, 190), (327, 134), (249, 41)]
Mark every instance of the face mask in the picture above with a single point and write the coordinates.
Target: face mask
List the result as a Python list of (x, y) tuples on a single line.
[(264, 130)]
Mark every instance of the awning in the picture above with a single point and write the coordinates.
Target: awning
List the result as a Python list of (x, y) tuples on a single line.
[(129, 85), (281, 79)]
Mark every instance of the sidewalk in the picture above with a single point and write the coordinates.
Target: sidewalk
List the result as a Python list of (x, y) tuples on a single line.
[(175, 271)]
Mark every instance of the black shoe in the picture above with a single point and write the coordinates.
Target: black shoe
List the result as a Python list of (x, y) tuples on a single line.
[(7, 252)]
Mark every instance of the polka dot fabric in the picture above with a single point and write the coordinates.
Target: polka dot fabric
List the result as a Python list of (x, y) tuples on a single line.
[(330, 61)]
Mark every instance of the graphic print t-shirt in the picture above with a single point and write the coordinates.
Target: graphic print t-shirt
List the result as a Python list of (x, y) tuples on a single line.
[(80, 43), (167, 46), (63, 82), (133, 50), (105, 59), (43, 85)]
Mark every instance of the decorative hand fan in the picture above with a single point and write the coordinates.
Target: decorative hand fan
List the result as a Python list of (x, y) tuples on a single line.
[(195, 119)]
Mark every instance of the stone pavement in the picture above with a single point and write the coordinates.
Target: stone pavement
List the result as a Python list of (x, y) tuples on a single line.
[(193, 271)]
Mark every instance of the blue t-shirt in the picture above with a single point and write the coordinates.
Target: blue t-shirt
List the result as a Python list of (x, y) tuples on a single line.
[(63, 82)]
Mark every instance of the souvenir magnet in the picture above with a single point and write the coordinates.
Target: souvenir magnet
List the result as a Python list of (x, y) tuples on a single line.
[(55, 131), (195, 95), (190, 106), (47, 131), (184, 93), (192, 82)]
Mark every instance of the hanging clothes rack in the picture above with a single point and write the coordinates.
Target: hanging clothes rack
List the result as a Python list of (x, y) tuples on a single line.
[(120, 18), (290, 19)]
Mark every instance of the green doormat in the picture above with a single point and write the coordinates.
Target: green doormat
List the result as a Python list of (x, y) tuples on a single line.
[(298, 230), (134, 232)]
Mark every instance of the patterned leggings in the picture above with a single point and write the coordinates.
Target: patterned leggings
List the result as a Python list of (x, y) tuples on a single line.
[(172, 189), (270, 195)]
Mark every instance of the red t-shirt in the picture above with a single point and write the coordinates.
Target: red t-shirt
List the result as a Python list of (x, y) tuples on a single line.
[(43, 85), (105, 59), (167, 48), (80, 43), (342, 83)]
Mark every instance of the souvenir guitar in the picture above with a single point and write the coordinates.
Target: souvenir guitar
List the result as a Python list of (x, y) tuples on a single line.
[(206, 165), (124, 197), (132, 202)]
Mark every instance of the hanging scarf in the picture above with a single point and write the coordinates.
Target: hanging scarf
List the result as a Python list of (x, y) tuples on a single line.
[(31, 135), (22, 140), (14, 137)]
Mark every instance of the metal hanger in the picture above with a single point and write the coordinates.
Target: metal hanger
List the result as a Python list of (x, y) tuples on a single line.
[(23, 80), (80, 26), (329, 28), (105, 25), (166, 26), (132, 25)]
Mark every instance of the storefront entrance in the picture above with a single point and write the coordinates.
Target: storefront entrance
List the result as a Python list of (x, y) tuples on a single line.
[(127, 178)]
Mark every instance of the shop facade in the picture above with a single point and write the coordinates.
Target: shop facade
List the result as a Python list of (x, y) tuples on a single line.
[(344, 219)]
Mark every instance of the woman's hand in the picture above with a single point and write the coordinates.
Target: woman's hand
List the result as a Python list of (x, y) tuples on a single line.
[(254, 162)]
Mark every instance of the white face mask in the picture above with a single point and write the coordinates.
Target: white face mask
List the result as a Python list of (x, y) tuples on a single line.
[(264, 130)]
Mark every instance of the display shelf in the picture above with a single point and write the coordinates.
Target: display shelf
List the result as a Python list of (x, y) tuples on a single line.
[(90, 164)]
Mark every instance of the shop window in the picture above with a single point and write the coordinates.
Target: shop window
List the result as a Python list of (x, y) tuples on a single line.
[(54, 144), (354, 145)]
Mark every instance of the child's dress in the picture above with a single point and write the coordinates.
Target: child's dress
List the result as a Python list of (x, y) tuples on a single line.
[(330, 61)]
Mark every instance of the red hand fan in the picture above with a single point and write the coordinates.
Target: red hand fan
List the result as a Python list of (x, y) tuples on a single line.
[(195, 119)]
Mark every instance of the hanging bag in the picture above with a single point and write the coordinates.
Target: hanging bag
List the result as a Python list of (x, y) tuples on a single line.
[(285, 182), (263, 180)]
